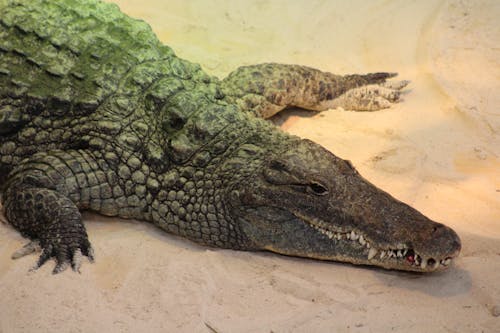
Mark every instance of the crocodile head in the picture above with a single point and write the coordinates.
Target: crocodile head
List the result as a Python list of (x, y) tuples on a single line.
[(307, 202)]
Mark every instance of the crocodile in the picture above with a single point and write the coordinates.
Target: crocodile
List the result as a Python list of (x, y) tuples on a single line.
[(97, 114)]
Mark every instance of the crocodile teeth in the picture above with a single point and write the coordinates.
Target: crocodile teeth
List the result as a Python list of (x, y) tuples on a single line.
[(351, 235), (398, 252), (409, 255), (372, 253)]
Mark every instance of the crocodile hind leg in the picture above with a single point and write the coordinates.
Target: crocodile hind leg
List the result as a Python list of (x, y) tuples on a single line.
[(267, 89), (42, 199)]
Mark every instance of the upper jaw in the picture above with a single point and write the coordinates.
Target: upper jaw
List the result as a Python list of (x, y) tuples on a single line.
[(362, 249)]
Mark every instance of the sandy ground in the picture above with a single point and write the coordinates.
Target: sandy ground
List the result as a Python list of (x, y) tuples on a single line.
[(439, 151)]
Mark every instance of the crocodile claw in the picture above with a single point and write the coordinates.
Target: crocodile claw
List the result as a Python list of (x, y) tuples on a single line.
[(395, 85), (64, 255), (33, 246)]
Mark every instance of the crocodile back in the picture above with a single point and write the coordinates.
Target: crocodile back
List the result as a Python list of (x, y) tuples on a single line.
[(60, 61)]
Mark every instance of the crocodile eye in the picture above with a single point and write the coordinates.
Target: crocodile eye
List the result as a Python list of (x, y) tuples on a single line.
[(317, 188)]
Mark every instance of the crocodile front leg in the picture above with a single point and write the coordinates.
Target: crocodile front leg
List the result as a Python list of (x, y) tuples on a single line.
[(42, 199), (266, 89), (51, 220)]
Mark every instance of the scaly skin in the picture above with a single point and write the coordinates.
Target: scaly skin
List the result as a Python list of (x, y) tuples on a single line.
[(96, 114)]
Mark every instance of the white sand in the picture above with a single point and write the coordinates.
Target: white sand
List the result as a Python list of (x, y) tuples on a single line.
[(439, 151)]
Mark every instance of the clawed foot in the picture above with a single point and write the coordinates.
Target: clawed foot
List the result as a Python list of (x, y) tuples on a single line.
[(395, 85), (65, 255), (371, 97)]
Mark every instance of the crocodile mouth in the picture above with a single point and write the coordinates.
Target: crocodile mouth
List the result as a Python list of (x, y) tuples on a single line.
[(393, 257)]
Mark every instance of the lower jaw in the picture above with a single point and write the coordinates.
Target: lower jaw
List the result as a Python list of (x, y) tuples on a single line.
[(368, 254), (382, 264), (406, 267), (400, 264), (389, 264)]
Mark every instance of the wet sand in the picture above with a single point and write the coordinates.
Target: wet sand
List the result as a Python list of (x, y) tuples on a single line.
[(438, 150)]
